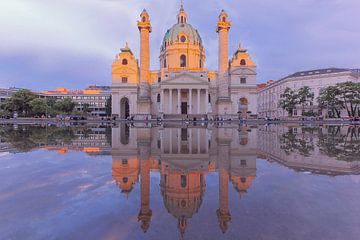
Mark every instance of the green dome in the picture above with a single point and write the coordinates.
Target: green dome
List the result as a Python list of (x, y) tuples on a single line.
[(173, 33)]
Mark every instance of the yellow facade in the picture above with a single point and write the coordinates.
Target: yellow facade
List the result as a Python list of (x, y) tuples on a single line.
[(125, 69), (182, 87)]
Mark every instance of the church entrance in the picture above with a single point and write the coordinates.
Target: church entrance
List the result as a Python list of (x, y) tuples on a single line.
[(124, 108), (184, 108)]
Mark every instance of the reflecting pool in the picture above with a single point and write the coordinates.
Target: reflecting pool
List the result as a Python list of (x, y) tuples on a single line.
[(179, 182)]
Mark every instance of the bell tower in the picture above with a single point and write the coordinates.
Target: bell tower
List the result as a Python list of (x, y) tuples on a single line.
[(144, 100)]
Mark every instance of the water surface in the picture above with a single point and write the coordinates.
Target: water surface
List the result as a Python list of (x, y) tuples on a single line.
[(173, 182)]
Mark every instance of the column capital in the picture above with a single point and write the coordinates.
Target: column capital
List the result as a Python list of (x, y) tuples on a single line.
[(144, 22), (223, 23)]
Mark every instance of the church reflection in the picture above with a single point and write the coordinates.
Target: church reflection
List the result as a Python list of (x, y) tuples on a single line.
[(183, 156)]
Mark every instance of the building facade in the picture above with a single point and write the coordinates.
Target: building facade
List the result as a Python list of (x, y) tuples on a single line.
[(269, 94), (93, 97), (6, 93), (183, 86)]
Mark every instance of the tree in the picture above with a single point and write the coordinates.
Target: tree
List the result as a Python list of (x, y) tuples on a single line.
[(344, 95), (349, 94), (108, 106), (39, 106), (304, 97), (20, 102), (66, 105), (328, 99), (288, 100)]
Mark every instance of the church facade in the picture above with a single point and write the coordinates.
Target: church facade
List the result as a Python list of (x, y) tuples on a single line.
[(183, 87)]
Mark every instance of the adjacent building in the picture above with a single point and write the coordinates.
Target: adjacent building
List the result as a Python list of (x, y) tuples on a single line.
[(269, 94), (93, 97), (6, 93), (183, 86)]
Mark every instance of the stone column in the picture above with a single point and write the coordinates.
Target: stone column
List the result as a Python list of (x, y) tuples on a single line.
[(171, 142), (206, 100), (223, 213), (162, 100), (179, 141), (179, 103), (171, 101), (144, 100), (190, 101), (198, 100), (144, 148)]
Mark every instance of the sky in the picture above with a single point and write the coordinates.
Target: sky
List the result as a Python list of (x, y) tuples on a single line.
[(72, 43)]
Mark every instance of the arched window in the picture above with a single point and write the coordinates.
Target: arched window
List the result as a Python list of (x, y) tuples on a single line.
[(242, 62), (144, 19), (182, 19), (183, 181), (165, 63), (124, 61), (224, 19), (125, 180), (200, 63), (182, 61), (209, 98), (158, 99)]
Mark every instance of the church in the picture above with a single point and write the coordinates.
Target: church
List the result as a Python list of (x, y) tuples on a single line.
[(183, 87)]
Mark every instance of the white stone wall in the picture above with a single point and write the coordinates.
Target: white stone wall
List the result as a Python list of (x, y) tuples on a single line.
[(269, 97)]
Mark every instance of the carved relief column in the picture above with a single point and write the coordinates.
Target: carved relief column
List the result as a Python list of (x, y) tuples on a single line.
[(144, 100), (144, 148), (224, 100)]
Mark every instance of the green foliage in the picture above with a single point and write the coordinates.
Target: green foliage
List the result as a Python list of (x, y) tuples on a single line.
[(66, 105), (305, 97), (25, 137), (292, 142), (38, 106), (20, 102), (291, 98), (288, 100), (342, 143), (341, 96), (328, 99)]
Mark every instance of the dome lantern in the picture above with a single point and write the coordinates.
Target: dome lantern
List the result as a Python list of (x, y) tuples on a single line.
[(182, 17)]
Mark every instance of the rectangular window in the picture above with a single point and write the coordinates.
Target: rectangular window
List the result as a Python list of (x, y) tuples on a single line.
[(124, 79), (242, 80)]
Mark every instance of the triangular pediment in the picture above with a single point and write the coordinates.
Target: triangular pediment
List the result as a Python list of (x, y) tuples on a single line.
[(243, 71), (185, 79)]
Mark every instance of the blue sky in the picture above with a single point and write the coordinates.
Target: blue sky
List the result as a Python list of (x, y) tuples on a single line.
[(72, 43)]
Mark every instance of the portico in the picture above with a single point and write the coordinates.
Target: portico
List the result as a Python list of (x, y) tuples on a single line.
[(179, 100)]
